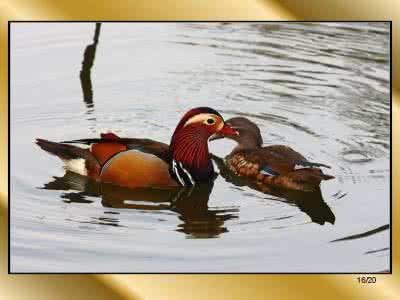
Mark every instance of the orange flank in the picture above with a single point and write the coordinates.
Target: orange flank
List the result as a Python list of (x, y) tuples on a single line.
[(134, 169)]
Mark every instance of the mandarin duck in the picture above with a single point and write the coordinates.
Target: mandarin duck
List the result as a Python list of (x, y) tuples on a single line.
[(275, 165), (133, 162)]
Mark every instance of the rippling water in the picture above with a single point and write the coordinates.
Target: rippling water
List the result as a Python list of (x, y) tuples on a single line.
[(323, 89)]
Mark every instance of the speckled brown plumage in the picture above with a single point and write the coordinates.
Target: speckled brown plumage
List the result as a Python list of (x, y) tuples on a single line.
[(270, 165)]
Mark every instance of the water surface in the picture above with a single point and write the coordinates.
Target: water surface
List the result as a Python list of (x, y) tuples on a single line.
[(322, 89)]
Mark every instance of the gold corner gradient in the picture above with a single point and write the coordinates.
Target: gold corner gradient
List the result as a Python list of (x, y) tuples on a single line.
[(197, 286)]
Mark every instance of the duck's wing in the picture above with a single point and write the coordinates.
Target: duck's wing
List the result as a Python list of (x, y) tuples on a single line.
[(110, 144), (293, 157), (271, 161), (284, 159)]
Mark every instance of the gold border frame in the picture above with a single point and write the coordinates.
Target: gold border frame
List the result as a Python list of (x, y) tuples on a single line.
[(205, 286)]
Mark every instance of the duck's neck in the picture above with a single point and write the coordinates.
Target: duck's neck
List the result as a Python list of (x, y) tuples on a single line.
[(248, 142), (189, 149)]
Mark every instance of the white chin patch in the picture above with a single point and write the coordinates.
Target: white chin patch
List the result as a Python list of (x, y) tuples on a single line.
[(76, 166)]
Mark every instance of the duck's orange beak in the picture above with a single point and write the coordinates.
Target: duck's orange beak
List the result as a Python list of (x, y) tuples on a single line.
[(227, 130)]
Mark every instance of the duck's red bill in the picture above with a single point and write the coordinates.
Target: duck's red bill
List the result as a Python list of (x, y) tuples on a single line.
[(227, 130)]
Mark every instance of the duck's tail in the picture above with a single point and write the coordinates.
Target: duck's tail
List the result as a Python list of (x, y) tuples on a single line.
[(313, 169), (63, 151), (309, 164), (327, 176), (76, 159), (310, 175)]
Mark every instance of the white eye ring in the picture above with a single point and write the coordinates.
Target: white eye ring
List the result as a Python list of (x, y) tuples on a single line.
[(209, 121)]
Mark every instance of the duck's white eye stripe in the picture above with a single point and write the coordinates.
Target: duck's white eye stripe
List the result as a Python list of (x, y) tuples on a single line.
[(200, 118)]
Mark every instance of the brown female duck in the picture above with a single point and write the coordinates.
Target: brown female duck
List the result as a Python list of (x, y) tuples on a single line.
[(274, 165)]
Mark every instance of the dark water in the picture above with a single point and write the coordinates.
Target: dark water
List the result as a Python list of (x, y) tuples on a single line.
[(322, 89)]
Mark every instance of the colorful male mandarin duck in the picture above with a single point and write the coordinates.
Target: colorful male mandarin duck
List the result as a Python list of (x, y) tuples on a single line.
[(132, 162), (275, 165)]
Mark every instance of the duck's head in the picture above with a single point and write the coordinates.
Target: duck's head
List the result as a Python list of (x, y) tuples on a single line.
[(203, 121), (249, 135), (189, 143)]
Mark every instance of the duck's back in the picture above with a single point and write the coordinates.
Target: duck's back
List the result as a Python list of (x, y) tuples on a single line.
[(278, 158), (277, 164)]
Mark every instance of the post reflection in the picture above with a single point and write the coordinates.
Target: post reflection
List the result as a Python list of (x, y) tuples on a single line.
[(311, 203), (190, 204), (87, 64)]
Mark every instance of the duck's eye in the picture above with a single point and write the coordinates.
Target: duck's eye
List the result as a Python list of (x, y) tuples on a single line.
[(210, 121)]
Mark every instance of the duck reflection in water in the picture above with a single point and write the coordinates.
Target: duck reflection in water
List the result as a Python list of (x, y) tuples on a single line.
[(198, 220), (309, 202)]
